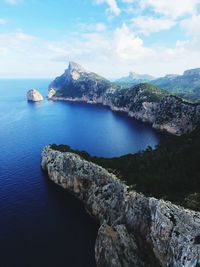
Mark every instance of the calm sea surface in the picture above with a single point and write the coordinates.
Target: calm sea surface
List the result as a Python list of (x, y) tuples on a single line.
[(40, 224)]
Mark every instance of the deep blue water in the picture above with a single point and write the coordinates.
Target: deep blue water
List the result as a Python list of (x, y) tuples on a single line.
[(40, 224)]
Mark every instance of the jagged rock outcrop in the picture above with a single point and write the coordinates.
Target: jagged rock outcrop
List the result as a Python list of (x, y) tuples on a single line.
[(143, 101), (34, 95), (51, 93), (135, 230), (80, 84)]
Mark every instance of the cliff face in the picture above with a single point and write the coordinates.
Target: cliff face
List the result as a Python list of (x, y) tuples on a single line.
[(76, 82), (164, 112), (144, 101), (135, 230)]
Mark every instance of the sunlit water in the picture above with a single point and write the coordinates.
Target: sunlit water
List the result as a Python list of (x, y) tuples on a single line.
[(41, 224)]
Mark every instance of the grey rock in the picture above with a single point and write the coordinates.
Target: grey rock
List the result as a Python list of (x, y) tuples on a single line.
[(34, 95), (51, 93), (135, 230)]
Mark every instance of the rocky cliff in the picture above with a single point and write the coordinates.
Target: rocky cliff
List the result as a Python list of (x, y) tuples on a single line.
[(135, 230), (34, 95), (143, 101), (150, 104), (78, 83)]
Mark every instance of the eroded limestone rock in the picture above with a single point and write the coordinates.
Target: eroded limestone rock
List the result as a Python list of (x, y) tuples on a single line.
[(135, 230), (34, 95)]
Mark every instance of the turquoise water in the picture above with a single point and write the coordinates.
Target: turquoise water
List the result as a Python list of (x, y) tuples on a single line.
[(41, 224)]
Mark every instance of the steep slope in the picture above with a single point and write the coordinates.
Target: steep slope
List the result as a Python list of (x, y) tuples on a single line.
[(150, 104), (186, 85), (135, 230), (76, 82)]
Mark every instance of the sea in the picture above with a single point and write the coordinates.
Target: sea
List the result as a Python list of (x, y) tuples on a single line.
[(40, 223)]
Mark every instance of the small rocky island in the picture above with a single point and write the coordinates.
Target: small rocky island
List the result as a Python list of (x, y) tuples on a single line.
[(135, 230), (34, 95)]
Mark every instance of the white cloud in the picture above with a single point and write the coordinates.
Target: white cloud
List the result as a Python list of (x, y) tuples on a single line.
[(171, 8), (97, 27), (148, 25), (109, 53), (3, 21), (12, 2), (128, 1), (192, 25), (127, 45), (113, 6)]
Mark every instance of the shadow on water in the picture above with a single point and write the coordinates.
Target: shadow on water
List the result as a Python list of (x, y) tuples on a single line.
[(60, 233)]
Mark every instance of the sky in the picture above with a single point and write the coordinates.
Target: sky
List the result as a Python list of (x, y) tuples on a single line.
[(109, 37)]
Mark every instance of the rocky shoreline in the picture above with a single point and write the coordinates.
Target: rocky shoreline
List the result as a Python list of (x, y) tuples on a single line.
[(171, 115), (135, 230)]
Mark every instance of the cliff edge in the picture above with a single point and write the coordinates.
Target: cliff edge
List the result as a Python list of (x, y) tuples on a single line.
[(135, 230)]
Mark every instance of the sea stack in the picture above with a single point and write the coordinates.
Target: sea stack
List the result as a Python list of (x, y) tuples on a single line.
[(34, 96), (51, 93)]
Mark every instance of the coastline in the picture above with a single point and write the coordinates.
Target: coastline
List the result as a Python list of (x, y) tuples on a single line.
[(145, 118), (135, 230)]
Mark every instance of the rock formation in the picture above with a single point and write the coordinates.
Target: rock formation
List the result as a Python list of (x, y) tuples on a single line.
[(162, 111), (51, 93), (135, 230), (34, 96), (144, 101)]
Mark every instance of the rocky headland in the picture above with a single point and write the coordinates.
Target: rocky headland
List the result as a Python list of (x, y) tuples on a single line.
[(34, 95), (135, 230), (144, 101)]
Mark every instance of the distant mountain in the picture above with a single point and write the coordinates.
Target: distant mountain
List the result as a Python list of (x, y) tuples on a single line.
[(135, 78), (186, 86)]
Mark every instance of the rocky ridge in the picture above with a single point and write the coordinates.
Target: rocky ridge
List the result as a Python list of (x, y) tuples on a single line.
[(144, 101), (135, 230), (187, 85), (34, 95)]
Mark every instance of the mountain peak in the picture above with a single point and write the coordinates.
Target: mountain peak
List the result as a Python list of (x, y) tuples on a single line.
[(132, 74), (73, 66)]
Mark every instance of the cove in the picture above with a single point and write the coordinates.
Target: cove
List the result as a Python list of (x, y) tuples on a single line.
[(41, 225)]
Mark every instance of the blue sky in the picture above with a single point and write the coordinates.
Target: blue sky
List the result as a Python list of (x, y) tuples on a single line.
[(110, 37)]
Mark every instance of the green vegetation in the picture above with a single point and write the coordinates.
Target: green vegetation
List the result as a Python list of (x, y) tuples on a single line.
[(89, 84), (143, 92), (171, 171), (185, 86)]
